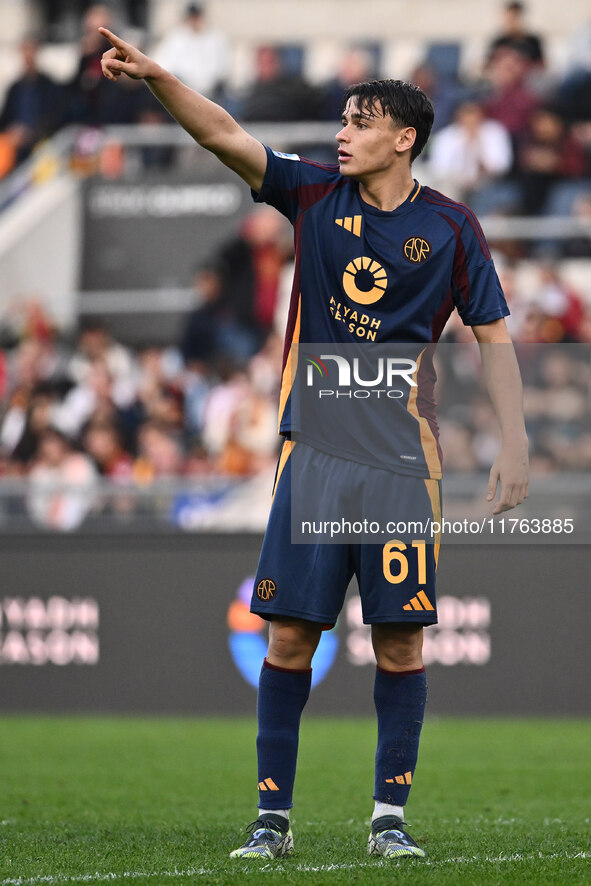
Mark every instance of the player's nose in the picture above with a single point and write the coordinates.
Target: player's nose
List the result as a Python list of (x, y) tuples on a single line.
[(342, 135)]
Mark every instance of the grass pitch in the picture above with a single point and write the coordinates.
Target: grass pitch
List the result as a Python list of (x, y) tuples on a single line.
[(147, 801)]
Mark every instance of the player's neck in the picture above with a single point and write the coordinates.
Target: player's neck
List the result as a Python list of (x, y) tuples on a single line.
[(387, 192)]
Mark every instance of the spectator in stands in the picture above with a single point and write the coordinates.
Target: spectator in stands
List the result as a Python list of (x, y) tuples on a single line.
[(547, 154), (240, 428), (355, 66), (96, 343), (103, 386), (264, 369), (443, 93), (213, 336), (573, 103), (278, 95), (33, 362), (517, 305), (211, 330), (159, 453), (26, 418), (250, 268), (469, 152), (61, 483), (102, 441), (221, 407), (561, 306), (91, 398), (510, 101), (195, 53), (134, 105), (252, 440), (574, 98), (574, 94), (34, 106), (160, 395), (59, 22), (516, 36), (85, 87)]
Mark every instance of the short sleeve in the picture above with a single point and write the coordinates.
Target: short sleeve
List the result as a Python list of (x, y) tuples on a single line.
[(292, 183), (477, 290)]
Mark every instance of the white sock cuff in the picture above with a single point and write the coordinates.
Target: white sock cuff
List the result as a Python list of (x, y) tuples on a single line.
[(386, 809), (283, 812)]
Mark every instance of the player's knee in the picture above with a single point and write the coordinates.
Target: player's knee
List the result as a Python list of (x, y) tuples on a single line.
[(398, 649), (292, 643)]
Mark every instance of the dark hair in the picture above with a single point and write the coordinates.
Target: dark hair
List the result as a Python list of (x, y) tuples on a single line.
[(404, 102)]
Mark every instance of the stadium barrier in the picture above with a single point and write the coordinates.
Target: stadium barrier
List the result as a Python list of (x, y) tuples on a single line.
[(219, 502)]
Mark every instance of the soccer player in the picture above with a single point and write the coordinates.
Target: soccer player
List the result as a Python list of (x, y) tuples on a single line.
[(382, 258)]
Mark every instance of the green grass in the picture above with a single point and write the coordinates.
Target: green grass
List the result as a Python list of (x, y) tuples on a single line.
[(150, 801)]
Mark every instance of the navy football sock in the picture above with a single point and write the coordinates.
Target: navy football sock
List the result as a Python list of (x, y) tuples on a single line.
[(283, 694), (400, 698)]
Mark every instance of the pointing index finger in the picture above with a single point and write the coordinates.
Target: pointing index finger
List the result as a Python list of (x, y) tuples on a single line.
[(113, 38)]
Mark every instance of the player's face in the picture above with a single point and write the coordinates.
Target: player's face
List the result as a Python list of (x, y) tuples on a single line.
[(370, 143)]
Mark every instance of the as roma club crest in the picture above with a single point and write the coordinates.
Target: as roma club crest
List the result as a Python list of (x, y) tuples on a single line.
[(266, 589), (417, 250)]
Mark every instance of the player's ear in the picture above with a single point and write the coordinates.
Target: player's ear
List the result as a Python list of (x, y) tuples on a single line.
[(406, 139)]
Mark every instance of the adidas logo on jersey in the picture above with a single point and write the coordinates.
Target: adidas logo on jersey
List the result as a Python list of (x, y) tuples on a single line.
[(350, 223)]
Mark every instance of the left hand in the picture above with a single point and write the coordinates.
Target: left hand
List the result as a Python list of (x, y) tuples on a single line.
[(511, 470)]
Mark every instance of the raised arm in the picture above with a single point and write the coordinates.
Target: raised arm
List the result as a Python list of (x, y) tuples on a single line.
[(209, 124), (503, 380)]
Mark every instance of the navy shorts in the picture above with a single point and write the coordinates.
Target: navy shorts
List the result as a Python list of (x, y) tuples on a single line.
[(309, 581)]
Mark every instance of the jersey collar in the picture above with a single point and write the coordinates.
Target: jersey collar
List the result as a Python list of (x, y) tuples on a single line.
[(404, 208)]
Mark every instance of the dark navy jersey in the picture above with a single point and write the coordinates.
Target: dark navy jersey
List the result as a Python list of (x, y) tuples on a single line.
[(365, 275)]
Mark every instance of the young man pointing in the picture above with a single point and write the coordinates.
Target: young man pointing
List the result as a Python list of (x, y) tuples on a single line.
[(375, 250)]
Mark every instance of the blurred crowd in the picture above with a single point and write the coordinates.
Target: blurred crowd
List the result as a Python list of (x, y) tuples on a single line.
[(514, 137), (512, 133), (206, 408), (75, 412)]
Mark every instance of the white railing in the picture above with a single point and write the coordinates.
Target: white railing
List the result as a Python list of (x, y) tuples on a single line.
[(197, 504)]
